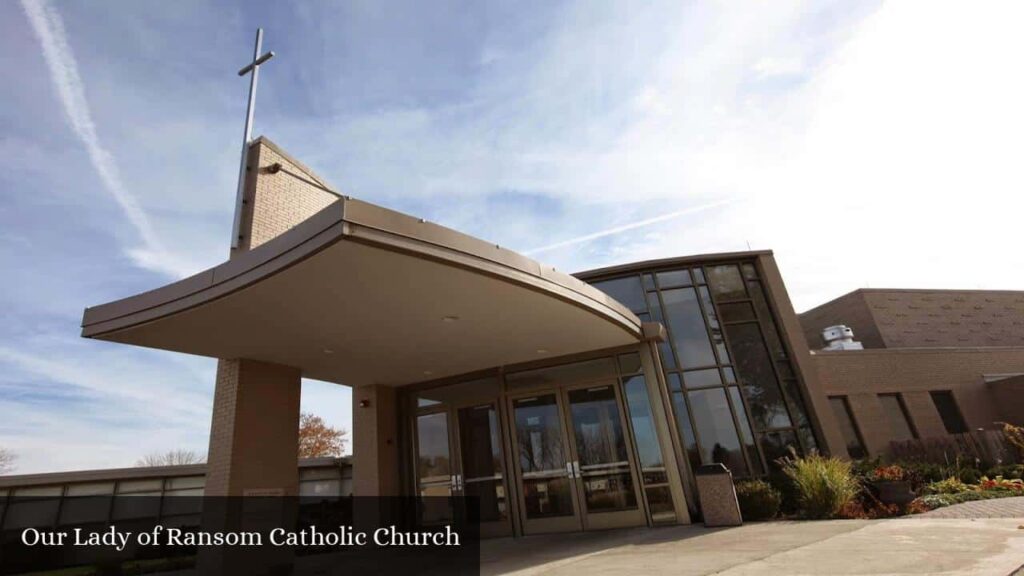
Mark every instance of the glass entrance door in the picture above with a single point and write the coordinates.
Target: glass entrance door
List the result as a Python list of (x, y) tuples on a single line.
[(459, 453), (434, 470), (575, 461), (547, 491), (482, 468), (603, 465)]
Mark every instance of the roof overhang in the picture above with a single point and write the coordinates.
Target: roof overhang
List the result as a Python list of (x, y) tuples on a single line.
[(358, 294)]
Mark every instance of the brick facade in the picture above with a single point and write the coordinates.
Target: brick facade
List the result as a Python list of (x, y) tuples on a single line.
[(922, 318), (862, 375)]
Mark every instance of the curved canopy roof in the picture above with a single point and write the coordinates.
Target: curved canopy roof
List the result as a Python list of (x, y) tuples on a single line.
[(358, 294)]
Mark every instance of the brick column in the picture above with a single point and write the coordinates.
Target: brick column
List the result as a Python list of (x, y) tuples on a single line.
[(254, 437)]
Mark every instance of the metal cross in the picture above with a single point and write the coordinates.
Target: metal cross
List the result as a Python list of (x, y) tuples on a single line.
[(253, 67)]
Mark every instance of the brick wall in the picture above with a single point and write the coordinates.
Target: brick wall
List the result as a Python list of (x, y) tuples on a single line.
[(277, 202), (862, 375), (895, 318)]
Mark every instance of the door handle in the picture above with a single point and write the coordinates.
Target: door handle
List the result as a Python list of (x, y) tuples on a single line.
[(576, 468), (568, 470)]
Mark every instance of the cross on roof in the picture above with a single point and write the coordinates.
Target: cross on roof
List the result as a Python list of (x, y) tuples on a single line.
[(253, 67)]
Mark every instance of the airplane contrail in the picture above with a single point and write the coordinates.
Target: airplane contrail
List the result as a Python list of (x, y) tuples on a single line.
[(60, 60), (630, 226)]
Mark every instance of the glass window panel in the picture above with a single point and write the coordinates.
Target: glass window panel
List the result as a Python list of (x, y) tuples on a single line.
[(480, 389), (147, 485), (308, 474), (539, 434), (91, 489), (844, 417), (675, 382), (547, 497), (702, 378), (320, 488), (139, 505), (183, 482), (715, 430), (674, 279), (796, 403), (433, 455), (668, 358), (778, 444), (39, 491), (597, 427), (806, 436), (896, 414), (491, 497), (609, 492), (716, 330), (745, 432), (726, 282), (85, 509), (644, 317), (629, 363), (627, 291), (767, 406), (32, 512), (767, 320), (649, 282), (480, 441), (640, 415), (698, 276), (729, 374), (659, 501), (686, 325), (686, 429), (950, 413), (575, 372), (749, 272), (737, 312)]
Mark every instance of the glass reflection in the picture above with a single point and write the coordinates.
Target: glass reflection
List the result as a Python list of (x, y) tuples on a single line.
[(726, 282), (539, 434), (601, 447), (482, 465), (627, 291), (686, 325), (433, 456), (767, 406), (716, 431)]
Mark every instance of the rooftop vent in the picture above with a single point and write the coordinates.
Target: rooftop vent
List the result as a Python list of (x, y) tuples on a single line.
[(840, 337)]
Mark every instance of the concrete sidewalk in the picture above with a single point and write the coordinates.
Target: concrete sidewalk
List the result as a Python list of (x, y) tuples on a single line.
[(898, 546)]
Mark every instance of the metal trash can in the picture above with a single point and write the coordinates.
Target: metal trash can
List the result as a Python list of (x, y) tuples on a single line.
[(717, 496)]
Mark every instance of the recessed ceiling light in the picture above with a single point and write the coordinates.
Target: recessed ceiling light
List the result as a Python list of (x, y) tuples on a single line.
[(328, 351), (542, 351), (428, 372), (449, 318)]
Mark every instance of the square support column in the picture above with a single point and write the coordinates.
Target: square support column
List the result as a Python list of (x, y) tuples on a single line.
[(254, 437), (375, 441), (254, 452)]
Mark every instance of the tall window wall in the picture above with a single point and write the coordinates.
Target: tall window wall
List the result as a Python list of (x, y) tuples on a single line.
[(728, 373)]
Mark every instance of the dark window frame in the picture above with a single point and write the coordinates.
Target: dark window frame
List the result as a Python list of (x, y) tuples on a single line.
[(956, 408), (906, 412), (859, 436)]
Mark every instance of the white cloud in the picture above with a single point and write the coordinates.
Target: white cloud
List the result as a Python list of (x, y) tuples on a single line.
[(60, 59)]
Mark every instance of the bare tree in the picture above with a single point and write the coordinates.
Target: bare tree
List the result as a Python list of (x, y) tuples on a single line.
[(317, 439), (170, 458), (7, 459)]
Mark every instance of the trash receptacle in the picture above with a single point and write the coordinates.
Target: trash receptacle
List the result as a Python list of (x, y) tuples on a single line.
[(717, 496)]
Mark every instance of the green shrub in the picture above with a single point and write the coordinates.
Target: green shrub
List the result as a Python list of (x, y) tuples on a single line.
[(951, 485), (940, 500), (1011, 471), (824, 485), (758, 499)]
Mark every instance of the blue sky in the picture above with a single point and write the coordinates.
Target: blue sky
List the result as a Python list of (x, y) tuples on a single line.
[(868, 144)]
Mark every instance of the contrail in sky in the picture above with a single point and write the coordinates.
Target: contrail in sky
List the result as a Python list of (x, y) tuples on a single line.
[(49, 29), (630, 226)]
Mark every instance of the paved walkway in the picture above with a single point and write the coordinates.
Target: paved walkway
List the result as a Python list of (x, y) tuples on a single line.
[(899, 546), (998, 508)]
